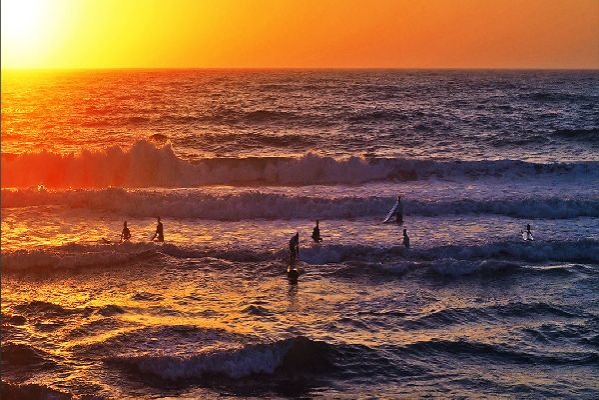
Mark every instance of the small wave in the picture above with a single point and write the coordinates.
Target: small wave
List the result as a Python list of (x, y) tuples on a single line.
[(147, 164), (257, 310), (259, 205), (110, 310), (298, 355), (71, 257), (453, 267), (33, 391), (493, 313), (145, 296), (13, 319), (586, 135), (454, 260), (557, 96), (377, 116), (43, 308), (23, 355), (524, 310), (497, 352)]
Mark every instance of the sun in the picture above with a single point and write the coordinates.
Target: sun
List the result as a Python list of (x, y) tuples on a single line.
[(26, 27)]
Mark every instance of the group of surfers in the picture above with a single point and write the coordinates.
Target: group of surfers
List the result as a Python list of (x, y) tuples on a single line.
[(158, 235), (294, 241)]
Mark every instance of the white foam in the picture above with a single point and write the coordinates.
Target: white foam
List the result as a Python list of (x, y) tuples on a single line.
[(234, 363)]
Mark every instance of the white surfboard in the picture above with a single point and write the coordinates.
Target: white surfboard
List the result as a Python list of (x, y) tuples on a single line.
[(388, 217)]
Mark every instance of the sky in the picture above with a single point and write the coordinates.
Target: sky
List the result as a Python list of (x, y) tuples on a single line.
[(302, 34)]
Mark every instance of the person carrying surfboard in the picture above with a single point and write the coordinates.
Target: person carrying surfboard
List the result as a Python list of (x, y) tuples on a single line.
[(159, 232), (406, 239), (294, 248), (316, 233), (396, 210), (126, 234)]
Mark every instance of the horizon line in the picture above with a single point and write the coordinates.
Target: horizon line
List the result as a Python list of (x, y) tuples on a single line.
[(301, 68)]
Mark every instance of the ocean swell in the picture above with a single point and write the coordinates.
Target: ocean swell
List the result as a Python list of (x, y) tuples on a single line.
[(259, 205)]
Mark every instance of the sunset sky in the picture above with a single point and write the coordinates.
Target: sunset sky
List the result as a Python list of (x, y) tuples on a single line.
[(307, 33)]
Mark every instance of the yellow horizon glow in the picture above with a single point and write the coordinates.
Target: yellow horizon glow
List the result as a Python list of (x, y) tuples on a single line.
[(72, 34)]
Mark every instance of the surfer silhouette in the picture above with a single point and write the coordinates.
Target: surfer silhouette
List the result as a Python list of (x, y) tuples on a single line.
[(126, 234), (528, 234), (294, 248), (406, 239), (316, 233), (399, 211), (159, 235)]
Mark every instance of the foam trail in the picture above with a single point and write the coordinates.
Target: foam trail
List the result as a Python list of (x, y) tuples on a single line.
[(147, 164)]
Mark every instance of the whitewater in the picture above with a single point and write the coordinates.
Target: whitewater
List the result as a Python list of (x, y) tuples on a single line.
[(235, 163)]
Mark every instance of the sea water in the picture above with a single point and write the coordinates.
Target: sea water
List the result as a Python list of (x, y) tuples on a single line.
[(235, 162)]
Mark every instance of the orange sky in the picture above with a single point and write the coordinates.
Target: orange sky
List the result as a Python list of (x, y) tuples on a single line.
[(302, 33)]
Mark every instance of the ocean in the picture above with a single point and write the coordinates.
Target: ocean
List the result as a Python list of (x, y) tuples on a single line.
[(235, 162)]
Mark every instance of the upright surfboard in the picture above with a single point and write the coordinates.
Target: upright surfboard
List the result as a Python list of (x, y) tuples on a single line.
[(388, 217)]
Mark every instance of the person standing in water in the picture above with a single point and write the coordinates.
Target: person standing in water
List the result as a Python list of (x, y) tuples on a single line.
[(406, 239), (528, 233), (294, 248), (399, 211), (316, 233), (126, 234), (159, 235)]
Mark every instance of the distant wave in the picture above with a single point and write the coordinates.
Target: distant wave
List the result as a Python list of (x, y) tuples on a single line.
[(259, 205), (147, 164), (452, 260)]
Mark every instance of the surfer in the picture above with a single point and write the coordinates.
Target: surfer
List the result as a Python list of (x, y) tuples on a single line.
[(406, 239), (528, 234), (399, 211), (159, 232), (126, 234), (316, 233), (294, 248)]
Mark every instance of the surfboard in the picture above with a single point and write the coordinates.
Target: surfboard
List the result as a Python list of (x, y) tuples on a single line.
[(390, 214), (526, 236)]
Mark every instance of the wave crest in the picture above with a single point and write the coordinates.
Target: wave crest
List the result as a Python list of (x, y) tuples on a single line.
[(148, 164)]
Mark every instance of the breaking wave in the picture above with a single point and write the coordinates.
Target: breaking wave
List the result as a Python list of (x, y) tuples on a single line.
[(147, 164), (299, 355)]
